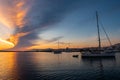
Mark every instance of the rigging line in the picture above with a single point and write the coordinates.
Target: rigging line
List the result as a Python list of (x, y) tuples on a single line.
[(106, 34)]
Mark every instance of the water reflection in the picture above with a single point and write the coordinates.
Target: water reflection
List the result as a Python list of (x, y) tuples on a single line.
[(99, 65), (26, 66), (8, 66), (49, 66)]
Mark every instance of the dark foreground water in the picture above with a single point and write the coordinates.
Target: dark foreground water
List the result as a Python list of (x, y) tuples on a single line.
[(49, 66)]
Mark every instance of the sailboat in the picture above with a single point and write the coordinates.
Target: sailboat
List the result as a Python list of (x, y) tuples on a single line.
[(99, 52), (57, 51)]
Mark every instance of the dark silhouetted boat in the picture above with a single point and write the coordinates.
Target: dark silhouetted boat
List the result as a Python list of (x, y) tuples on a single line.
[(57, 51), (76, 56)]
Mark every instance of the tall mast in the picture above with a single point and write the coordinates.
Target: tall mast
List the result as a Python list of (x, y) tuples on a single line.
[(98, 31), (58, 44)]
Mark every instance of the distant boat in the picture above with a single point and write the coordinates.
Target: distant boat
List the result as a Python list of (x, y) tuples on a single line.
[(76, 56), (99, 52), (57, 51)]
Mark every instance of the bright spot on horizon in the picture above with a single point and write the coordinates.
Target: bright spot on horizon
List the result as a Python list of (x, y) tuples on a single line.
[(5, 44)]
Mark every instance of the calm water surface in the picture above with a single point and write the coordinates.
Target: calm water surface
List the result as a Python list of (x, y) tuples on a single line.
[(49, 66)]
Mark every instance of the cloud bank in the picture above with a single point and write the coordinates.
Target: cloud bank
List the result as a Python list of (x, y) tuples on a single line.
[(28, 18)]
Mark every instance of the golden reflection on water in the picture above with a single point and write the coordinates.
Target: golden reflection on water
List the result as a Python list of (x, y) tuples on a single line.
[(53, 61), (47, 66), (7, 65)]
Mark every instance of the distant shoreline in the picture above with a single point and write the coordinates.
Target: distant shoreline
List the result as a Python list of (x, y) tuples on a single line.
[(115, 47)]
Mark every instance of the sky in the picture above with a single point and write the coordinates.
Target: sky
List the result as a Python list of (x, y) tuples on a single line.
[(31, 24)]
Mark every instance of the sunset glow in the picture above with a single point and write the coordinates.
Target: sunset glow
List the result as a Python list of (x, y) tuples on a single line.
[(59, 39), (5, 44), (40, 24), (11, 17)]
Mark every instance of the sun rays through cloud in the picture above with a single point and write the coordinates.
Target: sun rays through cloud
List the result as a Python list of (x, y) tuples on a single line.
[(25, 20)]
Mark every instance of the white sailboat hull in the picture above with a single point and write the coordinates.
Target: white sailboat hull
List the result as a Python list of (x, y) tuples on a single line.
[(98, 55)]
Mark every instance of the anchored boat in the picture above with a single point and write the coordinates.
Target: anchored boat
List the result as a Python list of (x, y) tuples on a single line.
[(57, 51), (99, 52)]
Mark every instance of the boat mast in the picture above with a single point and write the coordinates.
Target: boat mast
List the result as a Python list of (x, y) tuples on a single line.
[(58, 44), (98, 31)]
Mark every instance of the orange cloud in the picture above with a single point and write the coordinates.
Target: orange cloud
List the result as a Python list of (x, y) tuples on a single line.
[(20, 13), (20, 4), (15, 38), (12, 15), (5, 44)]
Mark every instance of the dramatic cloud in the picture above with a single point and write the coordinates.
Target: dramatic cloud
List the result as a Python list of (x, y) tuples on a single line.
[(29, 18)]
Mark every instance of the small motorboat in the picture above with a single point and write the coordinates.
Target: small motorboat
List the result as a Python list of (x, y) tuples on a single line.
[(75, 55)]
